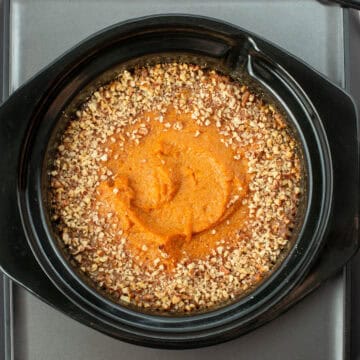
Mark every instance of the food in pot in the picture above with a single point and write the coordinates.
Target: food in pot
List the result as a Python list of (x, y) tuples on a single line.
[(175, 188)]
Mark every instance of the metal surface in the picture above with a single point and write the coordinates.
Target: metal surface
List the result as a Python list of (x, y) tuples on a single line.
[(40, 31), (6, 309), (353, 85)]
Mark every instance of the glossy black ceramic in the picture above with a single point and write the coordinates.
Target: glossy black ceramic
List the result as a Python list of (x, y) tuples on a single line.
[(323, 118)]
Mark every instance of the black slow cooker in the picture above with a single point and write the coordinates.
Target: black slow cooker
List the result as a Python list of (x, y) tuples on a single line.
[(31, 121)]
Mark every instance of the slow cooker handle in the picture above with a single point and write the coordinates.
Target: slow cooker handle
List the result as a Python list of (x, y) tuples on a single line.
[(338, 114), (16, 258), (335, 109)]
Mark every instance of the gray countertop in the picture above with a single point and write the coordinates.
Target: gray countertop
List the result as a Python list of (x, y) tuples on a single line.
[(41, 30)]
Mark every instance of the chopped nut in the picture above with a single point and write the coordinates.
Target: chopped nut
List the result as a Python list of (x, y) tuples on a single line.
[(175, 299), (125, 298), (220, 249)]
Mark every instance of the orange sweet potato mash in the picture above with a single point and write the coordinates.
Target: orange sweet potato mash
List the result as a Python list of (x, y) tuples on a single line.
[(178, 190)]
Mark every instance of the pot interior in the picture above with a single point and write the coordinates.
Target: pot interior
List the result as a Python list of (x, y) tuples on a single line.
[(238, 74)]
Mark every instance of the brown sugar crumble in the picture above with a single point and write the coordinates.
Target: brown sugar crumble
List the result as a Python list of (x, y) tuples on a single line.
[(137, 246)]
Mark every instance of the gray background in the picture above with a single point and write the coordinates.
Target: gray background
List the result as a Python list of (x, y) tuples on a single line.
[(40, 31)]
